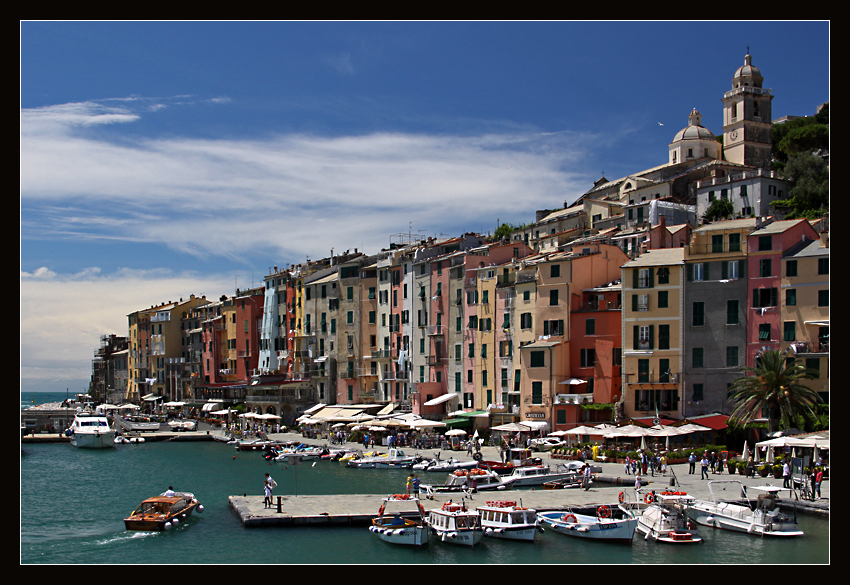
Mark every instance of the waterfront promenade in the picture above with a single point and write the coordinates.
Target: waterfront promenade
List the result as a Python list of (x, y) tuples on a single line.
[(292, 510)]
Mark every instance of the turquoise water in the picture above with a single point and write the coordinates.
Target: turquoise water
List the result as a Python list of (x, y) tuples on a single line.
[(73, 502)]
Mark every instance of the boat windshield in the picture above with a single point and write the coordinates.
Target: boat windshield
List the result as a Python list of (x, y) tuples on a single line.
[(93, 423)]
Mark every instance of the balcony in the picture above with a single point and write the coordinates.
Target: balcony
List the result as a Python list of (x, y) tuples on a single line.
[(651, 378), (381, 354), (435, 330), (434, 360)]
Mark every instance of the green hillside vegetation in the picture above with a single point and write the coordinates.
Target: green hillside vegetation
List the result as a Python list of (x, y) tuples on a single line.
[(801, 155)]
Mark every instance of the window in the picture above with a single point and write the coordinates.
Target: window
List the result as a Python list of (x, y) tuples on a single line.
[(764, 331), (663, 275), (764, 297), (823, 265), (823, 298), (698, 314), (765, 243), (730, 270), (732, 317), (643, 371), (789, 331), (458, 352), (790, 297), (716, 244), (590, 327), (698, 272), (555, 270), (642, 278), (553, 297), (643, 336), (734, 242), (664, 337), (697, 357), (764, 267), (537, 392), (538, 359), (349, 317), (732, 357), (791, 268), (664, 370), (697, 393), (471, 353), (640, 302), (553, 327), (526, 295), (588, 358), (662, 299), (483, 377), (525, 321)]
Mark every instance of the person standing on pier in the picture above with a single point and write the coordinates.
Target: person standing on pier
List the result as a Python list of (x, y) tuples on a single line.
[(268, 485)]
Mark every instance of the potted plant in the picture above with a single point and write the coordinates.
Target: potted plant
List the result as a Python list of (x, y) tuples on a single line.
[(764, 469), (777, 471)]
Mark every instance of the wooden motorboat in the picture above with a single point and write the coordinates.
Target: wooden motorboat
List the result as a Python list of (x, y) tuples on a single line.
[(400, 528), (163, 512), (504, 519)]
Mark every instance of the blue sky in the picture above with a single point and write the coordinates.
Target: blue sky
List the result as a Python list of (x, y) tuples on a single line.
[(162, 159)]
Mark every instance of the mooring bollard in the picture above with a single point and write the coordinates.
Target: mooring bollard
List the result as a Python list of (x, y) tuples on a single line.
[(279, 510)]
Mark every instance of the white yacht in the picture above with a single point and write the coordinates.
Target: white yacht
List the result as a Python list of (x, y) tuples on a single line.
[(91, 431)]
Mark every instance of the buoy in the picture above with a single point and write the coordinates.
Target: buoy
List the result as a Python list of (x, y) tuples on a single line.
[(200, 509), (167, 525)]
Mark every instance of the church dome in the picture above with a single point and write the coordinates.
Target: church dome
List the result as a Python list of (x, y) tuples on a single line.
[(694, 130), (747, 74)]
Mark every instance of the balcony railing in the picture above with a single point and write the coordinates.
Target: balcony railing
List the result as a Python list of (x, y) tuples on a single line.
[(651, 378)]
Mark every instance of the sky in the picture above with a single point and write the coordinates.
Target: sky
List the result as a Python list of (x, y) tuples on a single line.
[(163, 159)]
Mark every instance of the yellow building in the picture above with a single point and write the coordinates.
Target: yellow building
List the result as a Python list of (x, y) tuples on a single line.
[(804, 307), (652, 333)]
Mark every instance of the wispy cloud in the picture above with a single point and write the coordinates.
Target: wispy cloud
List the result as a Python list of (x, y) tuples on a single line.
[(341, 63), (344, 191)]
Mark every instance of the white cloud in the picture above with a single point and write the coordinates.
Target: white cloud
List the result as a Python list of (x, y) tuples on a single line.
[(222, 197), (64, 315)]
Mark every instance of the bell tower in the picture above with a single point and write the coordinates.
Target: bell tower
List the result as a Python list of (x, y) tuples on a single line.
[(747, 118)]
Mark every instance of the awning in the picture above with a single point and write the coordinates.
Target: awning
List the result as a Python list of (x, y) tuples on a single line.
[(457, 422), (441, 399)]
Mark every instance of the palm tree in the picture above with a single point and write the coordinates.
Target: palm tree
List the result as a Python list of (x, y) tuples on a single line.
[(773, 386)]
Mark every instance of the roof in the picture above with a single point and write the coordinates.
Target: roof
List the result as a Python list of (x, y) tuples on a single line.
[(716, 422), (729, 224), (777, 227), (658, 257)]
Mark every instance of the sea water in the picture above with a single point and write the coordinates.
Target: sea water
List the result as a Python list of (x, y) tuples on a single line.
[(73, 502)]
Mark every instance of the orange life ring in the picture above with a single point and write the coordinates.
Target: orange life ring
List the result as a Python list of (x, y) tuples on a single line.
[(603, 512), (649, 498), (569, 518), (621, 497)]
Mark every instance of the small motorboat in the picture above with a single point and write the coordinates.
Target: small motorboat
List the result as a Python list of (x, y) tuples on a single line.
[(162, 512), (519, 457), (438, 464), (663, 516), (455, 524), (395, 459), (468, 480), (532, 475), (400, 528), (611, 523), (504, 519), (183, 425), (764, 519)]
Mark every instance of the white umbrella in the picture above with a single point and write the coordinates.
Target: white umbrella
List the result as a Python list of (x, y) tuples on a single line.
[(745, 455), (511, 427), (643, 443), (455, 432)]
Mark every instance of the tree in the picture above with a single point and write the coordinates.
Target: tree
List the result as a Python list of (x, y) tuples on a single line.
[(719, 209), (808, 176), (774, 386)]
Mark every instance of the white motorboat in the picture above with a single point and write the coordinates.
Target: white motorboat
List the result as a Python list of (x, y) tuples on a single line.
[(445, 465), (504, 519), (455, 524), (468, 480), (183, 425), (611, 523), (394, 459), (400, 528), (663, 516), (764, 519), (91, 431), (540, 474)]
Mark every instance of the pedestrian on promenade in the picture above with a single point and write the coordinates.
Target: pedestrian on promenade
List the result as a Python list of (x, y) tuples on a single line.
[(268, 485), (664, 466), (692, 463), (786, 475), (409, 483), (587, 476), (637, 483), (704, 463), (469, 447), (628, 465), (818, 481), (415, 485)]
